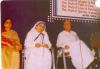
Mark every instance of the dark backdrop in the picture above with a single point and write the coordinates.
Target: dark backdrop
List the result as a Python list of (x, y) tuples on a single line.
[(24, 14)]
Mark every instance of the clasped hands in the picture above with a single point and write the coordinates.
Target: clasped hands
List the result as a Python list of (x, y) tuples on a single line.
[(38, 45)]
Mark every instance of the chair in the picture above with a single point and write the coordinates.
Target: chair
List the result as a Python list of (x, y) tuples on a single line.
[(61, 53), (53, 58)]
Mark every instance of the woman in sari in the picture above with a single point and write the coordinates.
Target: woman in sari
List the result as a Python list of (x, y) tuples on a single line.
[(81, 55), (37, 45), (10, 47)]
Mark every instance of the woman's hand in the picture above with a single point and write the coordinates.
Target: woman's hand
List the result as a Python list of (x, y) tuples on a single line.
[(46, 46), (19, 47), (37, 45), (7, 44)]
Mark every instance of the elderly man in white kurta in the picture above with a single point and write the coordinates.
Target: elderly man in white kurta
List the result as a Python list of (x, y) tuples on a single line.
[(37, 45), (81, 56)]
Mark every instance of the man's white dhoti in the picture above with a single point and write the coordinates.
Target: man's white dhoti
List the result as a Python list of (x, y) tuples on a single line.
[(81, 55)]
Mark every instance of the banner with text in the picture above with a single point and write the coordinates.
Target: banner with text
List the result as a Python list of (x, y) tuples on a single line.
[(75, 8)]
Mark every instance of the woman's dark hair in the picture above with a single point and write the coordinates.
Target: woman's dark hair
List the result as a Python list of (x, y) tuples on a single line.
[(2, 24), (7, 19)]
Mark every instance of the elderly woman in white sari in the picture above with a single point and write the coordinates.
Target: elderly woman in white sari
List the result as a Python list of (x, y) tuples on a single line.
[(37, 45), (81, 55)]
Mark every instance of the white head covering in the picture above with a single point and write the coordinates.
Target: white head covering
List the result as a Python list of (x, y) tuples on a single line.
[(32, 34), (34, 27)]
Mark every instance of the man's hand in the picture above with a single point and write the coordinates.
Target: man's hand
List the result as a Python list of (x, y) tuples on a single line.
[(66, 47)]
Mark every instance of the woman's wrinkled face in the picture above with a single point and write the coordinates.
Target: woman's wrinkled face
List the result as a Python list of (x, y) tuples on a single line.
[(40, 27), (8, 23), (67, 25)]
